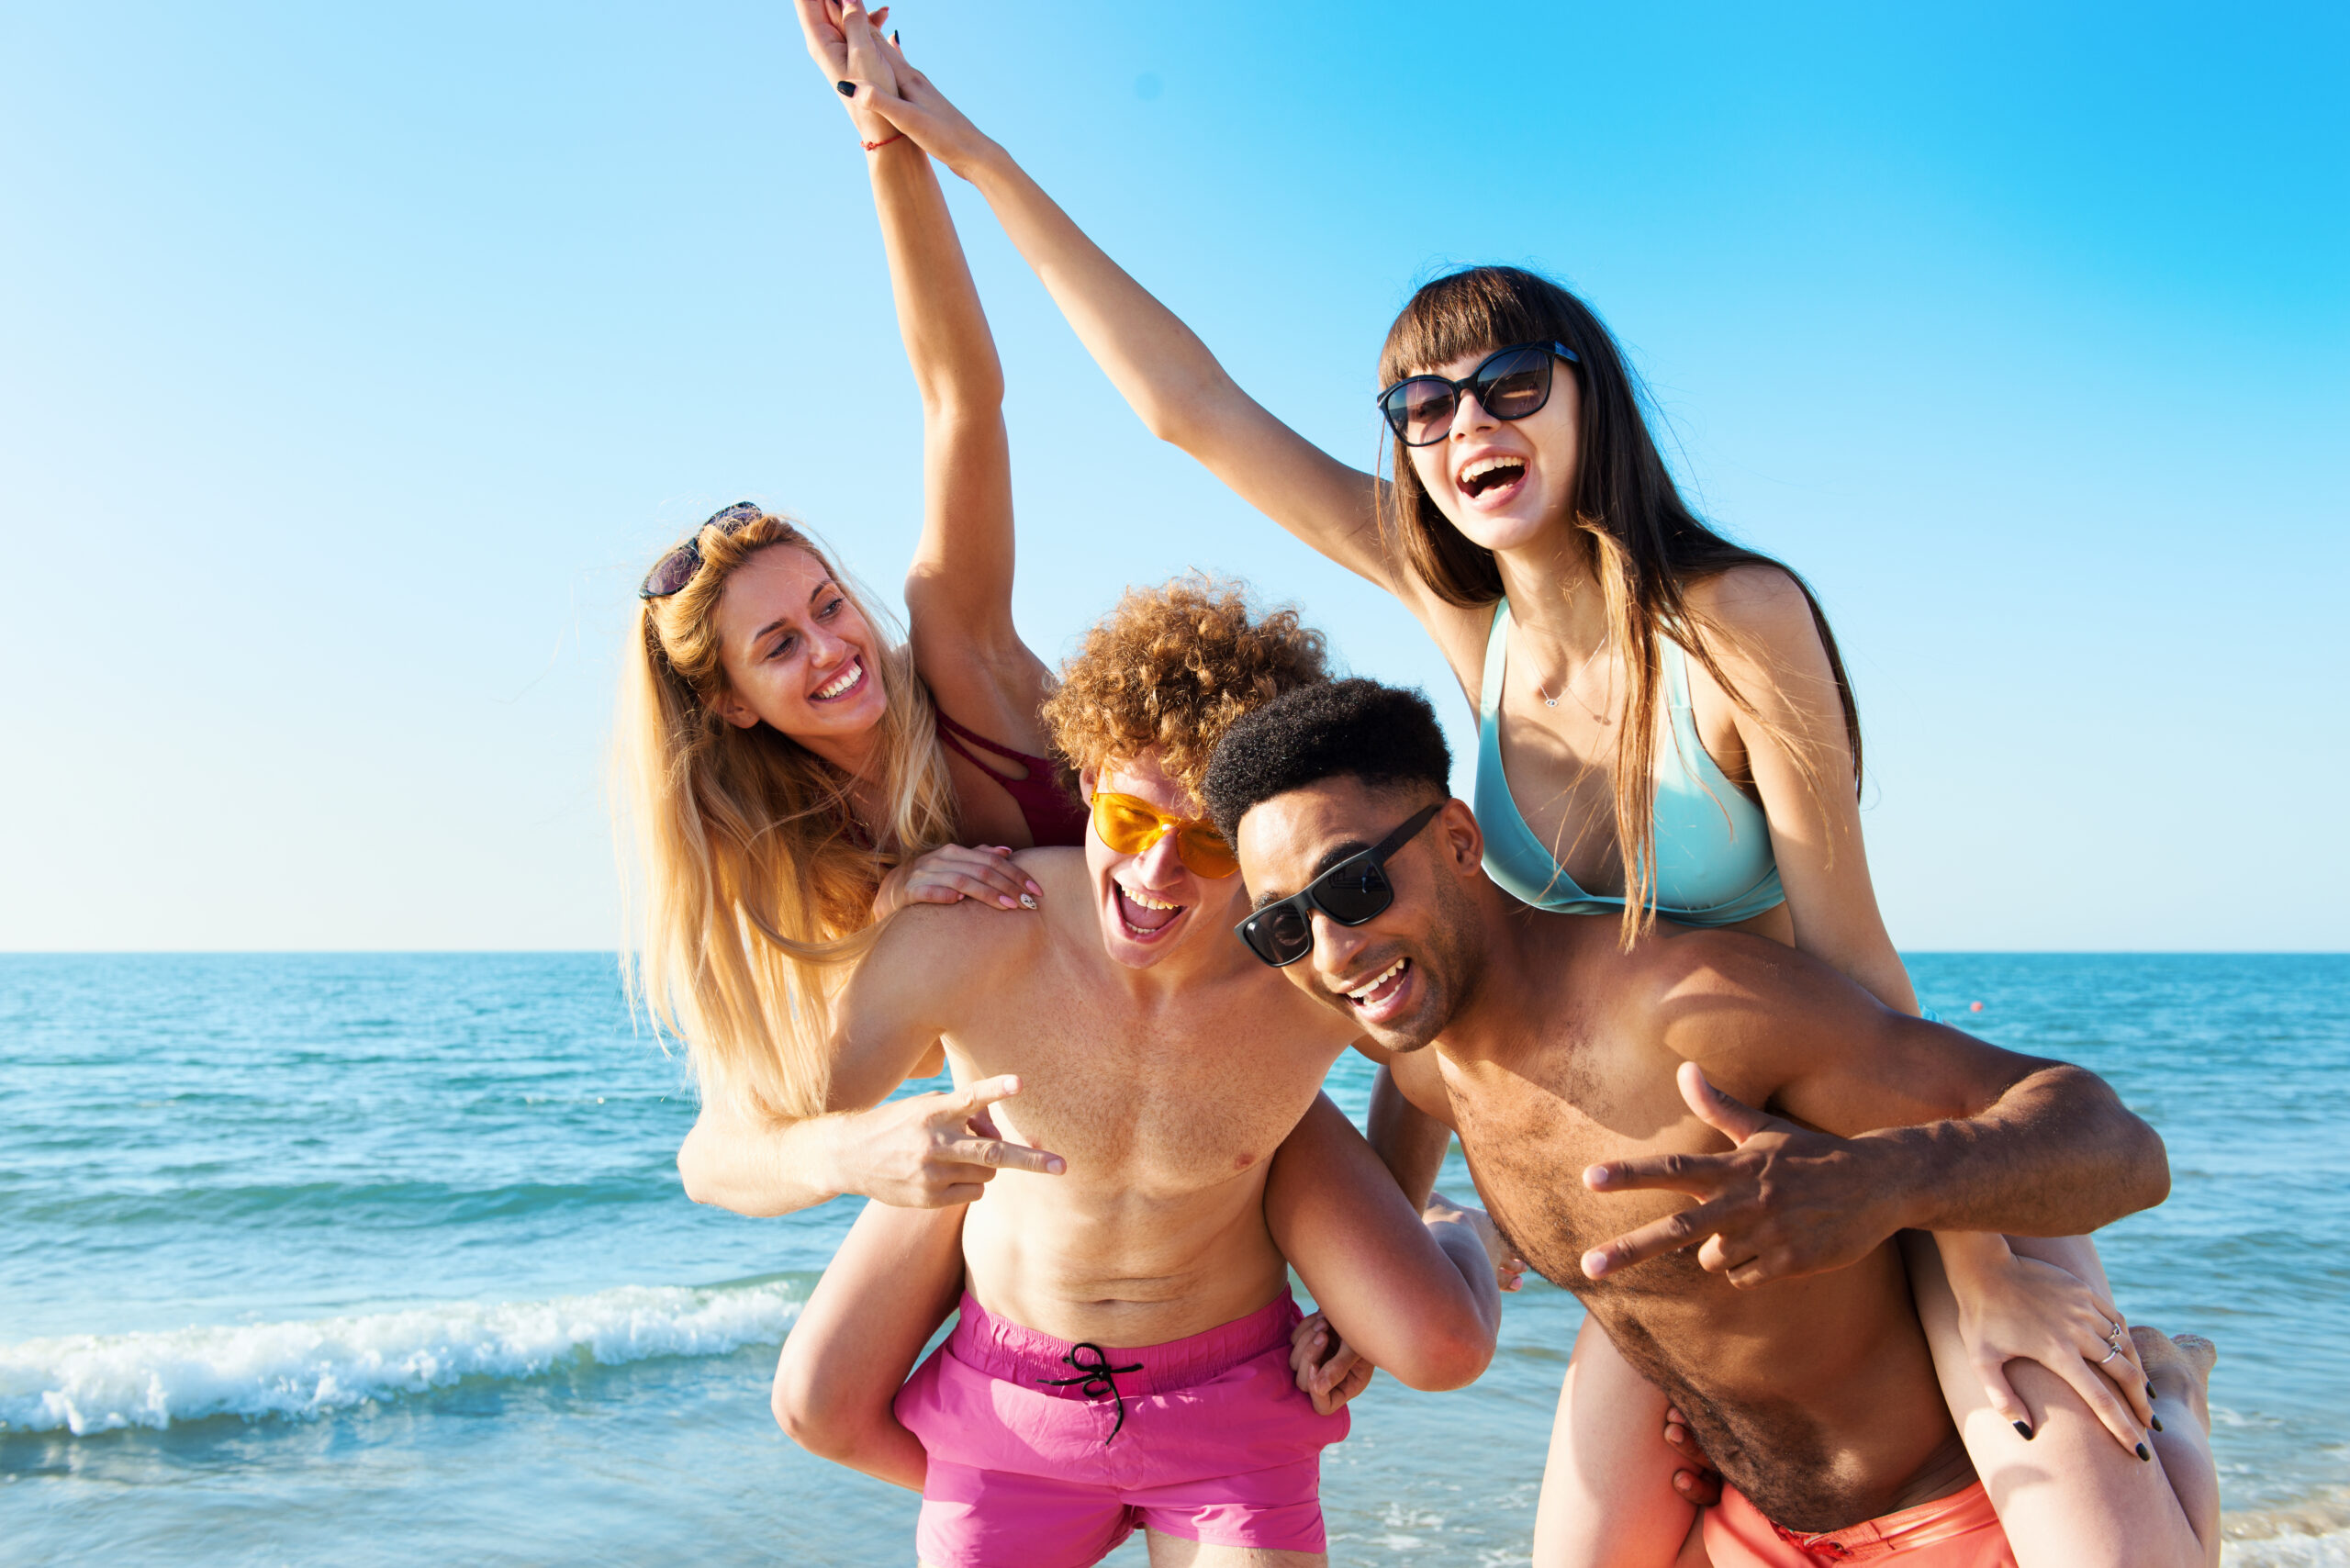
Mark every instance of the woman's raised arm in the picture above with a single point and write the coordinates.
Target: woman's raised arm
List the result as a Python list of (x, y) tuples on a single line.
[(958, 589), (1158, 363)]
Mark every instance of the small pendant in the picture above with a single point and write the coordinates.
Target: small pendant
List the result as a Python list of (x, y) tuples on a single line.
[(1550, 702)]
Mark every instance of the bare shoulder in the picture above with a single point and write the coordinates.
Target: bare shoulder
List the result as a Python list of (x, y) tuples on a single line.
[(952, 939), (1692, 983), (1760, 604)]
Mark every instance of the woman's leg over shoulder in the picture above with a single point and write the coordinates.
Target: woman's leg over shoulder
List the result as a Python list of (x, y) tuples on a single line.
[(2070, 1496), (1607, 1495), (896, 1277)]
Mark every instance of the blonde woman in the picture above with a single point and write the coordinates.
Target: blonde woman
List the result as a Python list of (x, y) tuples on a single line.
[(796, 774), (1666, 729)]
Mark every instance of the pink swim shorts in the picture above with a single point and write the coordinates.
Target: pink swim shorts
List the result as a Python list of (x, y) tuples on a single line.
[(1032, 1465)]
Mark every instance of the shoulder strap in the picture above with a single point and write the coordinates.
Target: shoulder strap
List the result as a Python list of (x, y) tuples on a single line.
[(1489, 701)]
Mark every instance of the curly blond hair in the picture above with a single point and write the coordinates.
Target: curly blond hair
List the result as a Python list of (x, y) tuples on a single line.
[(1172, 668)]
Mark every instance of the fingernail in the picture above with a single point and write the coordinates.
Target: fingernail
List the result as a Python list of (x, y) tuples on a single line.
[(2150, 1390), (2143, 1452), (2157, 1421), (1027, 901), (1035, 889), (896, 37), (1056, 1167), (1005, 899), (2023, 1430), (848, 89)]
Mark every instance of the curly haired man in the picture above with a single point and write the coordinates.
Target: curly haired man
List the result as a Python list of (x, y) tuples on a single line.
[(1124, 1351)]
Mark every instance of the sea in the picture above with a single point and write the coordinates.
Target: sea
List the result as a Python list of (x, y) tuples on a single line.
[(383, 1259)]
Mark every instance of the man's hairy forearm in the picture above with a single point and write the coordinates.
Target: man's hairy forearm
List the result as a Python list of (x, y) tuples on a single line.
[(2056, 1154)]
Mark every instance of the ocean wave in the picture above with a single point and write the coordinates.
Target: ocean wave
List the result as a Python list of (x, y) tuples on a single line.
[(407, 1204), (85, 1384), (2313, 1533), (2288, 1552)]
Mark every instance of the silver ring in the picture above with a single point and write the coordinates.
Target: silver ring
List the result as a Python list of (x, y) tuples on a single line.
[(2109, 1355), (2113, 1333)]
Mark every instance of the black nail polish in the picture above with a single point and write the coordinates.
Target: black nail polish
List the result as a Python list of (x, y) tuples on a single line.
[(897, 36), (2150, 1390), (848, 89), (2023, 1430), (2143, 1452), (2157, 1422)]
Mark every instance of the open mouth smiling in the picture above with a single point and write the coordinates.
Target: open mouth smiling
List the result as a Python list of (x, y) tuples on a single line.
[(1498, 473), (1375, 998), (841, 685), (1145, 918)]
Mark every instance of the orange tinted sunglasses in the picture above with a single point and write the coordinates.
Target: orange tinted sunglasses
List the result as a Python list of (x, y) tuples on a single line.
[(1131, 826)]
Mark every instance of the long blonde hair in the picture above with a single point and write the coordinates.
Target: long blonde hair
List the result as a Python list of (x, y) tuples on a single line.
[(758, 879), (1647, 546)]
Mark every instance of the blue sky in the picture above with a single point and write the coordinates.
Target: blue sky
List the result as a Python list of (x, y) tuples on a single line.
[(352, 366)]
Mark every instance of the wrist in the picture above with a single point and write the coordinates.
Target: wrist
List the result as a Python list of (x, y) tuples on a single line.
[(833, 1166), (983, 163), (1972, 1258), (1896, 1170)]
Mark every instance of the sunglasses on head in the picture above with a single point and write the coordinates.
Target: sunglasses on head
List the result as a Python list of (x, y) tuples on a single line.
[(1511, 384), (1131, 826), (676, 569), (1351, 893)]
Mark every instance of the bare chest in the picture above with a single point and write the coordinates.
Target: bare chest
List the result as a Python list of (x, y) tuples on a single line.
[(1166, 1103), (1814, 1395)]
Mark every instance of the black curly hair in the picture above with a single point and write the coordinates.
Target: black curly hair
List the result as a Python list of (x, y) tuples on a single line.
[(1386, 736)]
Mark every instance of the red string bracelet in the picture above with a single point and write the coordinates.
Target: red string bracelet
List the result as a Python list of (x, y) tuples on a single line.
[(877, 146)]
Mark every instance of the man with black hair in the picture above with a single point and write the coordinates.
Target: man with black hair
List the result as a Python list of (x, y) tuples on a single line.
[(1597, 1090)]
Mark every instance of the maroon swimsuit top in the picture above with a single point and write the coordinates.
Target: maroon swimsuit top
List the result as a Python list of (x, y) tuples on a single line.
[(1055, 817)]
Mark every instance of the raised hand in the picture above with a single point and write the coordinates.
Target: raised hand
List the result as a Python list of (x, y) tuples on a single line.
[(912, 104), (843, 41), (984, 875), (2014, 1308), (933, 1151), (1784, 1203)]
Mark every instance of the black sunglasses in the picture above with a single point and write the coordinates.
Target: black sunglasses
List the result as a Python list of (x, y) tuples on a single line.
[(676, 569), (1354, 891), (1512, 383)]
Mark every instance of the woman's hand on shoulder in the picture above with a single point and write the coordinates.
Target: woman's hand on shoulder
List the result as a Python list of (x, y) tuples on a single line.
[(985, 874), (2015, 1308)]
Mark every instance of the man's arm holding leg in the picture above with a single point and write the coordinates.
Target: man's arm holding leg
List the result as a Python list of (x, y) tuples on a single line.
[(1918, 1126), (1417, 1293)]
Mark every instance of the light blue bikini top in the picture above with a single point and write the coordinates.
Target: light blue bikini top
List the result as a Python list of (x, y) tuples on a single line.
[(1713, 865)]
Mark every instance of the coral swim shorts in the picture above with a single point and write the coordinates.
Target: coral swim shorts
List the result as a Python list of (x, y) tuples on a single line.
[(1045, 1454), (1956, 1531)]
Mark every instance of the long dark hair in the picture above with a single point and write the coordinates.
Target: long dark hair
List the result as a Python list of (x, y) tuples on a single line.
[(1647, 545)]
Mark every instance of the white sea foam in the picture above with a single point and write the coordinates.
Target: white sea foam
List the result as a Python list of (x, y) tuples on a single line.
[(97, 1382), (2288, 1552)]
